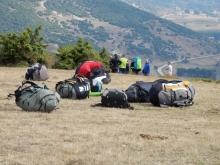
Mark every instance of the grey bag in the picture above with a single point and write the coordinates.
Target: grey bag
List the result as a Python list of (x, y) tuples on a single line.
[(179, 94), (36, 97), (37, 72)]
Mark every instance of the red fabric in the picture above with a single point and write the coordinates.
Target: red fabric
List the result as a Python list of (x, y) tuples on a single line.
[(87, 66)]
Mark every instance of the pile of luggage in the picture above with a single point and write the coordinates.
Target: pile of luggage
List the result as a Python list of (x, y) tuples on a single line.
[(89, 78)]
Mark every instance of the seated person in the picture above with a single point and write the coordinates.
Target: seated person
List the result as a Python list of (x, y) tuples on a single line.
[(146, 69)]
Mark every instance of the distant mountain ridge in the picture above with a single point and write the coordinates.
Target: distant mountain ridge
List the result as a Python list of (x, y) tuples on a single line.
[(112, 24)]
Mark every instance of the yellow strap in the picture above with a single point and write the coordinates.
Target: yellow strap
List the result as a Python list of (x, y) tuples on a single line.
[(71, 81), (173, 87), (186, 83)]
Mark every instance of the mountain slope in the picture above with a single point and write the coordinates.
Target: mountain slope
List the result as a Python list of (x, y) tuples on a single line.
[(112, 24), (200, 16), (164, 7)]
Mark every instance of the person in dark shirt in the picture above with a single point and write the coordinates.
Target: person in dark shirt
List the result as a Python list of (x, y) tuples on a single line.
[(132, 65), (110, 61), (115, 62), (127, 68)]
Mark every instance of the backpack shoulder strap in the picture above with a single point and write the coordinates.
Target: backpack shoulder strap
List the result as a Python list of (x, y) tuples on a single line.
[(97, 105), (130, 107), (100, 105)]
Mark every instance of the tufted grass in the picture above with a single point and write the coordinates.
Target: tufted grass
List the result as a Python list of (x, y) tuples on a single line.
[(78, 134)]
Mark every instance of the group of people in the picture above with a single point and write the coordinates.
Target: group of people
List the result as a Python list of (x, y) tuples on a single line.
[(122, 65), (98, 75)]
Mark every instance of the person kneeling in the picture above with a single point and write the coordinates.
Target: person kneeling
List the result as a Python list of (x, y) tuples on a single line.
[(146, 70)]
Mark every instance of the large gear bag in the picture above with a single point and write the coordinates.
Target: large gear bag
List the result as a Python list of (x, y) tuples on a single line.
[(139, 92), (37, 72), (36, 97), (173, 93), (114, 98), (77, 87)]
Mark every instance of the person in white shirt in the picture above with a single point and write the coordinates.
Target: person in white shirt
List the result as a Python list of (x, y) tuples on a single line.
[(169, 68)]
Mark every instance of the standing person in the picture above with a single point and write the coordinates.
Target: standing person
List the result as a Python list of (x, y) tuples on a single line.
[(127, 67), (122, 66), (132, 65), (169, 68), (137, 64), (146, 70), (115, 62), (110, 61)]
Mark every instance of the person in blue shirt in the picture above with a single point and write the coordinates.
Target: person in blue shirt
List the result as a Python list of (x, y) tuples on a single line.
[(146, 69)]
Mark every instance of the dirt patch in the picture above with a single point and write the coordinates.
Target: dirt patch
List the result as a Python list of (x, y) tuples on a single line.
[(149, 137)]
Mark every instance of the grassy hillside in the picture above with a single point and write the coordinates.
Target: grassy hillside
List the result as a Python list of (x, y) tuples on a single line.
[(141, 33), (77, 133), (118, 27), (17, 15)]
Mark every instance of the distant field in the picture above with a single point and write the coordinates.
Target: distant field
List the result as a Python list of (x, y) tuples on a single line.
[(78, 134), (195, 22), (206, 63)]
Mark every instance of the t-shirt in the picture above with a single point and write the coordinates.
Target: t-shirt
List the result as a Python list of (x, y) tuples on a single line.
[(123, 62), (170, 69), (115, 62)]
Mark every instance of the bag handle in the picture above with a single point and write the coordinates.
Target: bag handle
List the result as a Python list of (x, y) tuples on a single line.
[(23, 83), (20, 87), (27, 82)]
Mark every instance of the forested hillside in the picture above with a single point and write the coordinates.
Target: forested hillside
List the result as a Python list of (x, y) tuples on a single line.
[(112, 24), (17, 15)]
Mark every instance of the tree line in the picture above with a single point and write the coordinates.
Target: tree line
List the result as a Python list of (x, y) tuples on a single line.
[(26, 48), (197, 72)]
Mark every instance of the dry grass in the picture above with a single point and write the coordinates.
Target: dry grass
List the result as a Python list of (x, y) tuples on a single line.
[(79, 134)]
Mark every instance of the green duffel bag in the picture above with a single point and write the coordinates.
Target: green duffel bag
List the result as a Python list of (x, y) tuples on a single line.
[(36, 97)]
